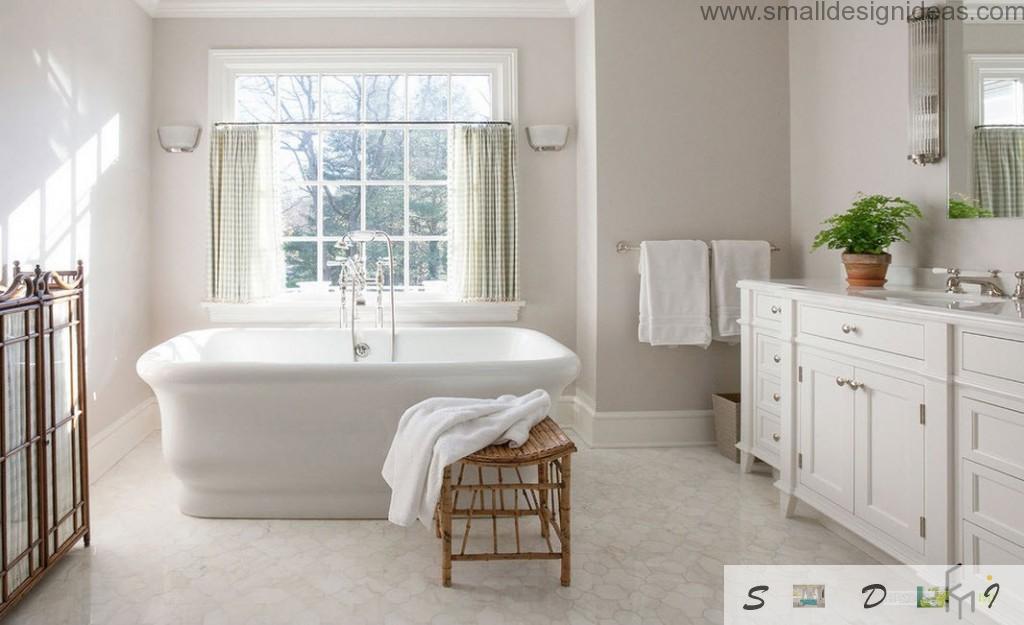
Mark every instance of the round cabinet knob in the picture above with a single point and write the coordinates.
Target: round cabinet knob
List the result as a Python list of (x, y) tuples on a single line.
[(776, 437), (848, 329), (855, 385), (841, 381), (776, 310), (776, 396), (777, 359)]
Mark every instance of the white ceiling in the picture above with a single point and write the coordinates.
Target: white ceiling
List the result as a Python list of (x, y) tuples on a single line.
[(362, 8)]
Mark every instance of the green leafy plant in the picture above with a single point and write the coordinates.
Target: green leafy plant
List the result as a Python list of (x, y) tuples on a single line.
[(872, 224), (963, 207)]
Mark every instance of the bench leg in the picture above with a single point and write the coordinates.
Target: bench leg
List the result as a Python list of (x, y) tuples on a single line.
[(564, 525), (445, 514), (543, 514)]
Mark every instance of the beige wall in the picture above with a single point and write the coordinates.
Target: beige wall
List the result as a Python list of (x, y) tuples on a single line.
[(547, 181), (692, 142), (74, 117), (849, 110)]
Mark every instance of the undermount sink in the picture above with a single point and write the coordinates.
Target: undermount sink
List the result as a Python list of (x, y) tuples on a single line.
[(938, 299)]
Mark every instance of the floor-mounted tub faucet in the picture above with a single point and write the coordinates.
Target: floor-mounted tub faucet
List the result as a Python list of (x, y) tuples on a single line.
[(354, 276)]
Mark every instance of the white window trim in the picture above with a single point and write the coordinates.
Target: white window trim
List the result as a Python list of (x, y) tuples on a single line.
[(982, 66), (501, 64), (318, 311)]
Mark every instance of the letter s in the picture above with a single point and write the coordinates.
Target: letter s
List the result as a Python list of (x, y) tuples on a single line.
[(759, 600)]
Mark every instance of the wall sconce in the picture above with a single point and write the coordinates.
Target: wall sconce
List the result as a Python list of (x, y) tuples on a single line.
[(550, 138), (175, 139)]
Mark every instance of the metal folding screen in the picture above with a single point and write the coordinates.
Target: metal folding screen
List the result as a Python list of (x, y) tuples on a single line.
[(44, 484)]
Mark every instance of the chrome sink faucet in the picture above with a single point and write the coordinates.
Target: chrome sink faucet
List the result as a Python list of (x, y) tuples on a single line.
[(989, 286)]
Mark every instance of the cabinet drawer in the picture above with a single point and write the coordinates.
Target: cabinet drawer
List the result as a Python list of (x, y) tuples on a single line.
[(992, 356), (769, 355), (994, 501), (768, 431), (897, 337), (984, 547), (991, 434), (769, 308), (769, 393)]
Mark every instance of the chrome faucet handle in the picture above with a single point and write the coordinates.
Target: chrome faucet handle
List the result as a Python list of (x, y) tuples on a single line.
[(1018, 293), (953, 281)]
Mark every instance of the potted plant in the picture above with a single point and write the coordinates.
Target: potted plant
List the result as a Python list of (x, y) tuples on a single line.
[(865, 232)]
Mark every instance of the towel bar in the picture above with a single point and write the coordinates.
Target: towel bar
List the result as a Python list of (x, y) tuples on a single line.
[(623, 247)]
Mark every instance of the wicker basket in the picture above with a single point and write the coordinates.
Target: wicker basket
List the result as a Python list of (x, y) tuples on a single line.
[(727, 424)]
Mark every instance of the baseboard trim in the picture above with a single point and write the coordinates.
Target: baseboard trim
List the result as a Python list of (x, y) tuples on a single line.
[(849, 536), (109, 445), (628, 429)]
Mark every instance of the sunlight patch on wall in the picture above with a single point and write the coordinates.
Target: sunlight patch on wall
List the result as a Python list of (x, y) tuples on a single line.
[(110, 143), (24, 230), (57, 216), (52, 226)]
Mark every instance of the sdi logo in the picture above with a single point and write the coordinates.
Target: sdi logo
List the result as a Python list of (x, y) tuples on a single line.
[(866, 595)]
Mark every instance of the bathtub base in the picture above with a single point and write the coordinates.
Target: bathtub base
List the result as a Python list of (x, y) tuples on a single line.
[(280, 423), (278, 505)]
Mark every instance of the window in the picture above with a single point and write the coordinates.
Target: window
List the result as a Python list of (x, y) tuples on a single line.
[(387, 169), (1003, 101), (376, 176), (996, 89)]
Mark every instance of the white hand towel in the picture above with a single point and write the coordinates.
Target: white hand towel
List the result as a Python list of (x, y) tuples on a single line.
[(674, 298), (437, 432), (733, 261)]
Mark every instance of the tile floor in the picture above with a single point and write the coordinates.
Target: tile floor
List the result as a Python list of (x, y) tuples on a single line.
[(651, 531)]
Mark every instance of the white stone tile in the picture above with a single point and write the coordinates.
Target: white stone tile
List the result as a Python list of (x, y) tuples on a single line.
[(651, 531)]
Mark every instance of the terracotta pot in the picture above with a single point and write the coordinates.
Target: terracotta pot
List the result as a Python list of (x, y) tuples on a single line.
[(866, 269)]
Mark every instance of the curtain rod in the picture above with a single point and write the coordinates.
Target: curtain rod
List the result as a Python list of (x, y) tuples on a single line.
[(389, 123), (999, 126)]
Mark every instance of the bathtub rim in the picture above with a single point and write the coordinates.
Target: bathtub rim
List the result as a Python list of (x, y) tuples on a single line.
[(153, 368)]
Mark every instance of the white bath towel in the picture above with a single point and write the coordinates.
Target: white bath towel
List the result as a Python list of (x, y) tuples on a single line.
[(674, 293), (733, 261), (437, 432)]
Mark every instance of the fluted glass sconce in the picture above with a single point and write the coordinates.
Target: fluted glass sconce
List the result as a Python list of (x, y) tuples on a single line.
[(925, 125), (177, 139)]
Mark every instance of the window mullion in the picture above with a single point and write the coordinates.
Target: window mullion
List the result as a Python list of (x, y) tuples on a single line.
[(406, 282), (320, 205)]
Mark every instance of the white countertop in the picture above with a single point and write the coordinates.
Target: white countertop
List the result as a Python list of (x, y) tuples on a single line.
[(933, 302)]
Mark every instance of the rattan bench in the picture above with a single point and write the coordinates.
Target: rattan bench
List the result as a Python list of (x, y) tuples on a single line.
[(550, 451)]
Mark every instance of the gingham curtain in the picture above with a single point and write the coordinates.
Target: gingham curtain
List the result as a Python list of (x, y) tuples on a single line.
[(999, 170), (243, 253), (483, 224)]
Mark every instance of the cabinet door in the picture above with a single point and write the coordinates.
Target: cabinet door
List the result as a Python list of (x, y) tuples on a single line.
[(890, 455), (827, 407)]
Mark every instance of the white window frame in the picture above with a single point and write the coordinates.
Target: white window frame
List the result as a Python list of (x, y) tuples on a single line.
[(981, 67), (500, 64)]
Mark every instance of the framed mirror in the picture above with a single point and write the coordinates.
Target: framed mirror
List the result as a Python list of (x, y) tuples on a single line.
[(985, 116)]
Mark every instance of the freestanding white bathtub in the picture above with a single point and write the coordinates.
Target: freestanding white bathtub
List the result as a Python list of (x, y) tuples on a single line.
[(281, 423)]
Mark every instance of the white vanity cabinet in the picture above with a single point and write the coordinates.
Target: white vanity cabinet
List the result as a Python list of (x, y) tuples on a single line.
[(902, 422)]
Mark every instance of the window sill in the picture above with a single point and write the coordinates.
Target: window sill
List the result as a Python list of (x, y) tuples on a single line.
[(293, 310)]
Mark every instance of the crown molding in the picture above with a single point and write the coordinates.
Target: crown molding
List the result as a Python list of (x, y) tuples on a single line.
[(149, 6), (576, 6), (362, 8)]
